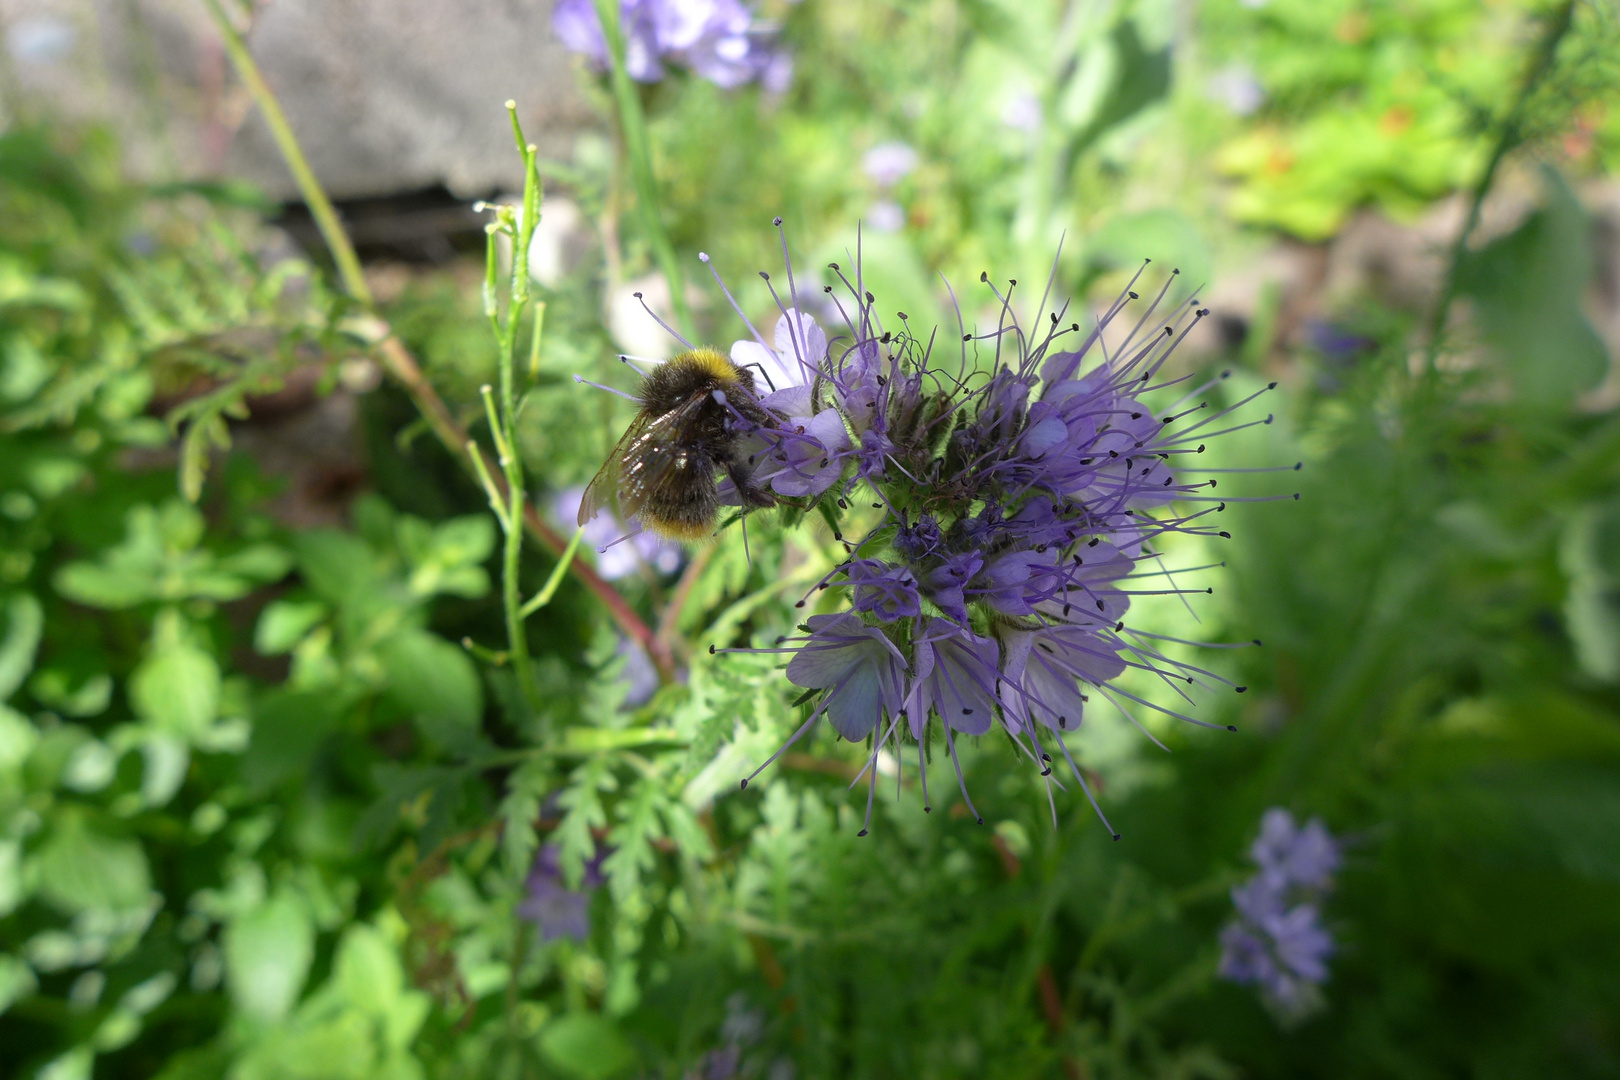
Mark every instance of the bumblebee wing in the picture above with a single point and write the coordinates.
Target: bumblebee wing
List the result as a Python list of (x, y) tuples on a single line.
[(648, 453)]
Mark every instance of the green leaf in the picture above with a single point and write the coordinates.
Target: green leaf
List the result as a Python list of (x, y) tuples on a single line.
[(288, 727), (335, 564), (100, 586), (176, 690), (25, 619), (283, 624), (435, 683), (81, 869), (586, 1046), (268, 950), (16, 981), (1528, 286)]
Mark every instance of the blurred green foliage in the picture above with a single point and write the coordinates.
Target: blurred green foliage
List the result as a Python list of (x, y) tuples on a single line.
[(264, 815)]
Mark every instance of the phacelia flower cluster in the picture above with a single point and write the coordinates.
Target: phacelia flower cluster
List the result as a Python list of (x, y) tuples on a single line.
[(1277, 941), (717, 39), (1001, 499)]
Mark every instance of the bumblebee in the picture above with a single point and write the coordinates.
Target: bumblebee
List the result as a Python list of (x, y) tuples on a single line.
[(663, 469)]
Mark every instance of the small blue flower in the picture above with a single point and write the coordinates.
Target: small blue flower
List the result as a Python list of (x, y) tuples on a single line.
[(1278, 942), (717, 39)]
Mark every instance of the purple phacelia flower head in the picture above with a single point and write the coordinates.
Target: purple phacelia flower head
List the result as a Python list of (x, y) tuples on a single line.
[(1277, 942), (1001, 493), (717, 39), (880, 590)]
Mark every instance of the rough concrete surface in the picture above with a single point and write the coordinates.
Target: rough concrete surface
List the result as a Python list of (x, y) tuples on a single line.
[(385, 95)]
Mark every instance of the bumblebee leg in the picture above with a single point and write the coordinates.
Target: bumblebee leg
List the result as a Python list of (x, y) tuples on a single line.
[(751, 493)]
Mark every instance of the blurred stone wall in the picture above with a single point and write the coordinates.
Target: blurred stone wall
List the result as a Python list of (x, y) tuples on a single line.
[(385, 95)]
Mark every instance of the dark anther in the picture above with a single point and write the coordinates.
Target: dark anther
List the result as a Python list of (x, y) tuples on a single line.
[(967, 337), (745, 785), (981, 821), (833, 265), (877, 506), (1255, 640), (826, 288), (1012, 281), (1099, 605), (1054, 318), (1074, 326), (870, 298), (799, 604), (764, 275), (1063, 721), (861, 833), (1133, 296), (776, 221), (636, 295), (1200, 448), (1271, 386), (1296, 496), (1136, 416), (967, 712), (1047, 771), (711, 650), (842, 505), (1095, 540), (984, 275), (1298, 465), (1231, 727), (902, 315), (1240, 689), (928, 809), (1116, 836), (1226, 536), (886, 338), (1221, 507)]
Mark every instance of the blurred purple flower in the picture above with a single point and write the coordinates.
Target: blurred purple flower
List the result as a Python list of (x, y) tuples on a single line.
[(550, 904), (888, 163), (716, 39), (624, 556), (1236, 87), (1300, 856), (1277, 942)]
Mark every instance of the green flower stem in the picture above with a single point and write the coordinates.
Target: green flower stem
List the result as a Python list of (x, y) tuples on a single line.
[(633, 127), (1542, 59), (395, 357)]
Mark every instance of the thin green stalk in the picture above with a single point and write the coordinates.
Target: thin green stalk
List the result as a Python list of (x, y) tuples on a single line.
[(320, 207), (396, 359), (503, 418), (633, 127), (1510, 136)]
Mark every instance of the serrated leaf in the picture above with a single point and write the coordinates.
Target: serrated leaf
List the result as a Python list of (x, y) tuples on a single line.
[(583, 811), (639, 825)]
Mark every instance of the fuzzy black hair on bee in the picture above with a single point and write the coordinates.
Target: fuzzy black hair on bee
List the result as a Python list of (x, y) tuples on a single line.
[(695, 410)]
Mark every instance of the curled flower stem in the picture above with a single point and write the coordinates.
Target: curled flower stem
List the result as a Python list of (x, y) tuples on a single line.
[(396, 359)]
